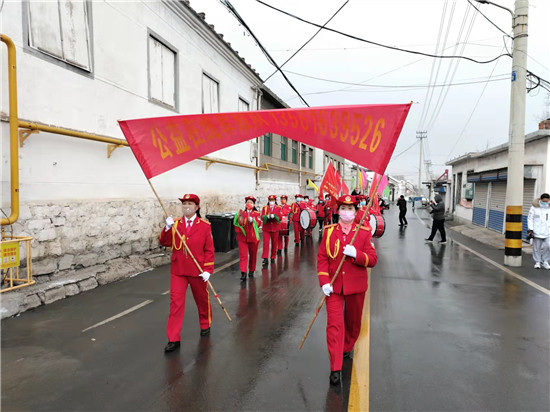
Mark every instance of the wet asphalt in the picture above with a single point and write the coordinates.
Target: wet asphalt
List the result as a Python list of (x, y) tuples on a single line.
[(448, 332)]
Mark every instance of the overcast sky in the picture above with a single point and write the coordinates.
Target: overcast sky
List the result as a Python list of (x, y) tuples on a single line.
[(449, 114)]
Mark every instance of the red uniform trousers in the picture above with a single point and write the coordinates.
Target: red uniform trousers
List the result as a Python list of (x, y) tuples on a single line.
[(178, 288), (281, 240), (344, 313), (248, 252), (298, 232), (272, 237)]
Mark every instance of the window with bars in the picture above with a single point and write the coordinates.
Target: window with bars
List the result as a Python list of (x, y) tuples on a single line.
[(267, 143), (311, 158), (294, 152), (303, 155), (284, 148)]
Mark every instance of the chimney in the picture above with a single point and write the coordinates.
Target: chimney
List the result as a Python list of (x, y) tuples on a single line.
[(545, 124)]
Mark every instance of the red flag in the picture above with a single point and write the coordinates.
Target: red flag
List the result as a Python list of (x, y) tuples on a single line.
[(330, 184), (373, 184), (343, 187), (363, 134)]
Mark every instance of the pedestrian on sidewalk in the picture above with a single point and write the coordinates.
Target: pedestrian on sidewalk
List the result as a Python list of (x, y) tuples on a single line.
[(538, 227), (247, 225), (183, 270), (345, 297), (438, 215), (402, 203)]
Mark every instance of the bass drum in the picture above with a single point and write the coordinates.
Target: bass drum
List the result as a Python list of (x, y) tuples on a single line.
[(307, 219), (378, 225), (283, 231)]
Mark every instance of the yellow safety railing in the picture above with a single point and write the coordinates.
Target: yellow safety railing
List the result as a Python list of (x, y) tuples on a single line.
[(12, 278)]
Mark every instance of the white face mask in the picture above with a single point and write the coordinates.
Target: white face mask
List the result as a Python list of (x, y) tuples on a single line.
[(299, 199), (543, 204), (188, 210), (272, 203)]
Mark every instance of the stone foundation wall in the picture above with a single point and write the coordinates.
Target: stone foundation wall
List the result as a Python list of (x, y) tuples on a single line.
[(78, 246)]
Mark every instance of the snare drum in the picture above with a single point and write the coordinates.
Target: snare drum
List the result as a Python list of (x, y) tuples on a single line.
[(378, 225), (283, 231), (308, 219)]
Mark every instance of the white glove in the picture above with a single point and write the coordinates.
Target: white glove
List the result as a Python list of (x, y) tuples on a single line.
[(205, 276), (327, 289), (272, 216), (250, 218), (169, 223), (350, 251)]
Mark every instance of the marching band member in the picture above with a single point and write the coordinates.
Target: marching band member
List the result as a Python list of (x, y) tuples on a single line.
[(328, 217), (271, 217), (362, 199), (307, 204), (346, 296), (247, 225), (183, 272), (321, 212), (298, 231), (285, 211)]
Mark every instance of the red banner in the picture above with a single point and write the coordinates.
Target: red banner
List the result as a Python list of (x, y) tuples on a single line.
[(364, 134), (330, 183)]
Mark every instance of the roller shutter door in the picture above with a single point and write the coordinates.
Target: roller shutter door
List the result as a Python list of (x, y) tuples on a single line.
[(497, 208), (480, 203), (528, 196)]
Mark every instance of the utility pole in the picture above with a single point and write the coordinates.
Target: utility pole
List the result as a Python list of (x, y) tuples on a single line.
[(516, 145), (421, 136)]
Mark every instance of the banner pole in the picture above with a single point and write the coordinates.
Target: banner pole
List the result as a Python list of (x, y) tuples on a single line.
[(320, 306), (216, 295)]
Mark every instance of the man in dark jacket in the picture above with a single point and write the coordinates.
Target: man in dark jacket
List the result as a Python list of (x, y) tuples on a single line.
[(438, 214), (402, 203)]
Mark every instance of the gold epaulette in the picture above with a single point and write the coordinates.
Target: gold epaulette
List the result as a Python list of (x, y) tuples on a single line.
[(204, 220), (327, 226), (365, 228)]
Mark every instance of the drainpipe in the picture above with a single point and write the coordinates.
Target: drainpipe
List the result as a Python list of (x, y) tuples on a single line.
[(14, 123), (259, 95)]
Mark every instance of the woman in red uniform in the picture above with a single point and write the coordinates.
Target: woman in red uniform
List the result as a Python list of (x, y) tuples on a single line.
[(321, 213), (285, 211), (184, 272), (298, 231), (271, 217), (346, 296), (247, 225)]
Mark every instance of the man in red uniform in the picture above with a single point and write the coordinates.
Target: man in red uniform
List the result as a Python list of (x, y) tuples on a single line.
[(247, 225), (285, 211), (328, 216), (345, 297), (321, 213), (298, 231), (198, 237), (271, 217)]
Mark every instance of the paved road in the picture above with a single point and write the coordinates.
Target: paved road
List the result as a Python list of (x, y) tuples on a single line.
[(448, 331)]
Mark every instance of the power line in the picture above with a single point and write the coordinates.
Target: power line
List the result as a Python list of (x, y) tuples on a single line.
[(488, 19), (310, 39), (233, 11), (402, 152), (379, 44)]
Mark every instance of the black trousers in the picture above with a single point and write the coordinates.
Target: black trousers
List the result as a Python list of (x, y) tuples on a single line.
[(402, 217), (438, 225), (335, 217)]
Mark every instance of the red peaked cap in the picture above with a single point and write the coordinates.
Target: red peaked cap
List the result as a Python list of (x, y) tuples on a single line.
[(246, 199), (347, 200), (272, 197), (191, 197), (284, 197), (298, 195)]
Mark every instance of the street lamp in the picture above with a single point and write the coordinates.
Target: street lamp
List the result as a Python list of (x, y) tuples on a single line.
[(516, 141)]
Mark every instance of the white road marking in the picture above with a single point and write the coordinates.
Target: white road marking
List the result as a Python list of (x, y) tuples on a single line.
[(492, 262), (132, 309)]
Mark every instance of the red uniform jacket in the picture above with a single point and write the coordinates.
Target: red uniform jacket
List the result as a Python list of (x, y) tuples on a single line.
[(271, 225), (366, 222), (251, 231), (296, 209), (353, 277), (286, 210), (321, 210), (200, 243)]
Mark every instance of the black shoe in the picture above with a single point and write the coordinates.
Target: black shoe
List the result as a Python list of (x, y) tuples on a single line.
[(348, 355), (286, 249), (296, 244), (335, 377), (171, 346), (272, 260), (279, 252), (243, 276), (265, 263), (205, 332), (250, 274)]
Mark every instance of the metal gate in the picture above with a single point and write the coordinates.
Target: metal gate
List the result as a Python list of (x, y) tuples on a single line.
[(528, 196), (497, 206), (480, 204)]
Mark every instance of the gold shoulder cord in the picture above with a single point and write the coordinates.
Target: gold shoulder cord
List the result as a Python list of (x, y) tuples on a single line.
[(336, 246), (174, 244)]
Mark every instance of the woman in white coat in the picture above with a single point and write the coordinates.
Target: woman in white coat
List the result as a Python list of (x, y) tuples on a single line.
[(538, 226)]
